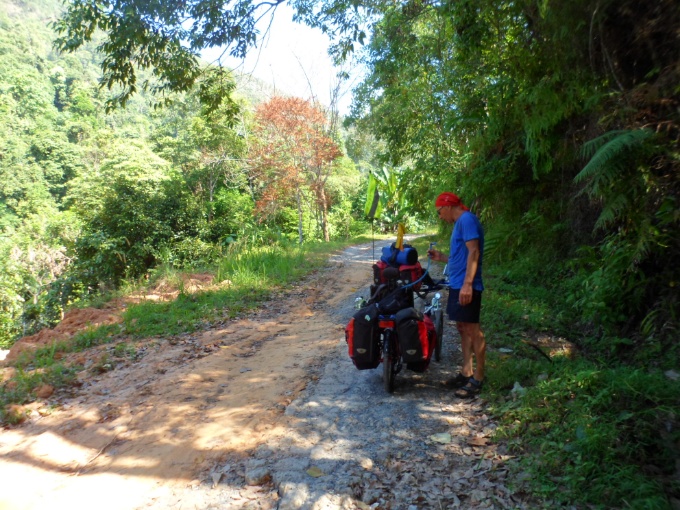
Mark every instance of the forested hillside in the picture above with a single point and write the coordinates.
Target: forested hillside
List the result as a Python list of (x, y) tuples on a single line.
[(89, 198)]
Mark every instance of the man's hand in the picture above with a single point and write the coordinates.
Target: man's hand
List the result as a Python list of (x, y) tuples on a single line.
[(465, 294), (436, 255)]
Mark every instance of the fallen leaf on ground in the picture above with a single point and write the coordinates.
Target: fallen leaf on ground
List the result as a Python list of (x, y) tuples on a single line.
[(315, 472), (443, 438)]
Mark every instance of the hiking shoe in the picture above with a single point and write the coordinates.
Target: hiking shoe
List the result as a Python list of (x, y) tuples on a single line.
[(470, 390), (457, 382)]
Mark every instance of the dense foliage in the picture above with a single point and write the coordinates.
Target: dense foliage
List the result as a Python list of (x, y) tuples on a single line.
[(558, 123), (89, 199)]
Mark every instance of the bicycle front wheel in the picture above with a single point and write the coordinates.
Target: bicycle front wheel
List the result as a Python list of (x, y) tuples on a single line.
[(439, 328)]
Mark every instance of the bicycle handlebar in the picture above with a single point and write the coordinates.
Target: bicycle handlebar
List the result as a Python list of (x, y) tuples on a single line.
[(438, 285)]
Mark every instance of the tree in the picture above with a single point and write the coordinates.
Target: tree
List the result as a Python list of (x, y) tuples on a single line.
[(164, 39), (293, 153)]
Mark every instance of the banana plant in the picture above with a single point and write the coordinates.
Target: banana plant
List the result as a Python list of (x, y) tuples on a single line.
[(384, 199)]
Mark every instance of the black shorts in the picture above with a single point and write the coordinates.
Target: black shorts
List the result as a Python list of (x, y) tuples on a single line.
[(467, 313)]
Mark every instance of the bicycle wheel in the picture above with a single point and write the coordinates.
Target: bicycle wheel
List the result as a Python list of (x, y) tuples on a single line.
[(439, 328), (388, 361)]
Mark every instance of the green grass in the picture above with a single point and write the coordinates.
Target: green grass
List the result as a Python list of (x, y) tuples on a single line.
[(253, 275), (606, 437), (44, 367), (590, 432)]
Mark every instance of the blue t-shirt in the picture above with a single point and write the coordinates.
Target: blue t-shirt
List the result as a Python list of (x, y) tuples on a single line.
[(466, 228)]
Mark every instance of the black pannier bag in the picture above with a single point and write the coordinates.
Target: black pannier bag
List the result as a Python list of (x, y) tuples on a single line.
[(362, 335), (414, 340), (400, 298), (386, 280)]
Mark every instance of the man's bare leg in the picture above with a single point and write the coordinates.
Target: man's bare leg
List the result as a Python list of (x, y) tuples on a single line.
[(466, 347), (472, 341)]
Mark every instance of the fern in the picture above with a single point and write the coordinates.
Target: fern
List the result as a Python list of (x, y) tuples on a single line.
[(609, 153), (612, 210)]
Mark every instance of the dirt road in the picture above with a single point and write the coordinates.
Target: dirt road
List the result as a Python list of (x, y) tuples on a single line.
[(266, 411)]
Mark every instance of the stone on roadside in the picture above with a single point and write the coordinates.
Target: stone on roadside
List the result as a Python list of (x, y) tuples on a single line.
[(293, 496), (44, 391), (257, 472)]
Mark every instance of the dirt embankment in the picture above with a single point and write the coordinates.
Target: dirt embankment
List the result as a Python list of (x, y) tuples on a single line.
[(80, 319)]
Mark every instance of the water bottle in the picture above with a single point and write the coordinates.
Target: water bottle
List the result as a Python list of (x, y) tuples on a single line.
[(436, 301)]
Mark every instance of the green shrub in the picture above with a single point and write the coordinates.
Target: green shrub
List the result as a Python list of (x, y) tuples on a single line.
[(605, 437)]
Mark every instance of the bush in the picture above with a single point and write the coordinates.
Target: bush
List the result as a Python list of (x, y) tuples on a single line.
[(604, 437), (193, 253)]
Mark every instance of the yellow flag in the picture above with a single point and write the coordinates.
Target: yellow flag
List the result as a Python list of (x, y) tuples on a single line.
[(400, 236)]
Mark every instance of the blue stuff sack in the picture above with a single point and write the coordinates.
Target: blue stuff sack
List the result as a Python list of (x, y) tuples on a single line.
[(395, 257)]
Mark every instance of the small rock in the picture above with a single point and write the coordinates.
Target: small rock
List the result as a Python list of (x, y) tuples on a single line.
[(44, 391), (443, 438), (257, 472), (542, 377), (366, 463), (672, 375), (258, 476), (293, 496), (517, 390)]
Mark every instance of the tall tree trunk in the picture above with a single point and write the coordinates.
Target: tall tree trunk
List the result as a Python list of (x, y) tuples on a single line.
[(323, 207), (299, 208)]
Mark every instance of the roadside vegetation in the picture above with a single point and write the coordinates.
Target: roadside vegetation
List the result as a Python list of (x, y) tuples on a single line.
[(596, 424)]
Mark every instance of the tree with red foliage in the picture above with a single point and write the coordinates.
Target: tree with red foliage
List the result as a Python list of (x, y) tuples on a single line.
[(293, 153)]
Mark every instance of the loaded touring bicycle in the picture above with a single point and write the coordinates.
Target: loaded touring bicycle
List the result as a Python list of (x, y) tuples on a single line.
[(388, 328)]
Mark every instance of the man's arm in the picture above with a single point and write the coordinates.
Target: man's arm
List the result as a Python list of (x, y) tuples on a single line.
[(465, 296)]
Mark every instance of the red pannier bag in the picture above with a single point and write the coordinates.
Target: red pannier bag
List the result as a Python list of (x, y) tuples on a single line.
[(362, 335), (378, 269), (417, 337), (409, 274)]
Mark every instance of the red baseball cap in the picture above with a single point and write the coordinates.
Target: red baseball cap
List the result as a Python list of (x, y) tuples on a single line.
[(448, 198)]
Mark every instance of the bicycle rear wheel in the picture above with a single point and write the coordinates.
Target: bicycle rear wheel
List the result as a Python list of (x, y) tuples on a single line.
[(388, 361)]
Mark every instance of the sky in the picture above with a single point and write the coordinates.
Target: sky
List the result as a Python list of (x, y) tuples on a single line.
[(294, 59)]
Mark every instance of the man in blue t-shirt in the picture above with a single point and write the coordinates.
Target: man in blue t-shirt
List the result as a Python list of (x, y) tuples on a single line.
[(464, 270)]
